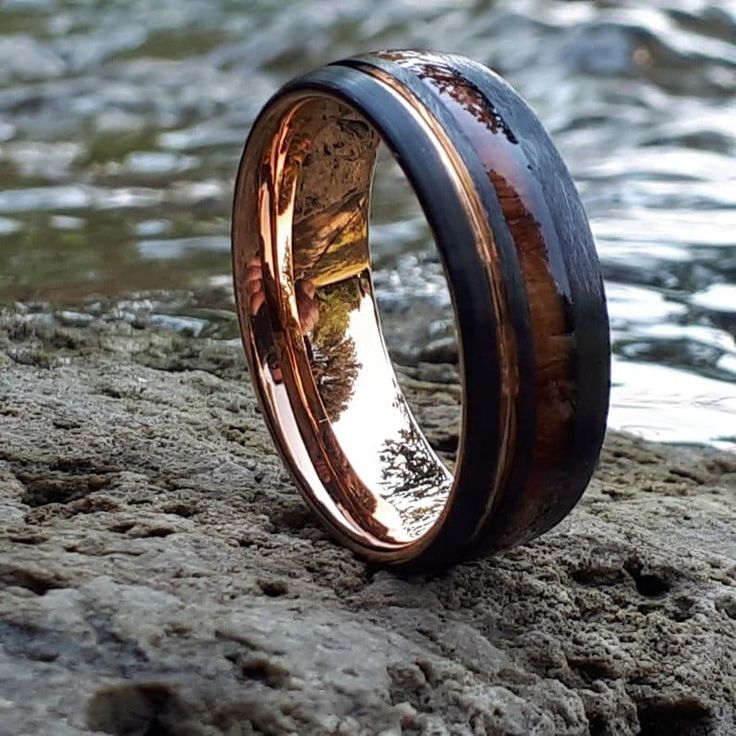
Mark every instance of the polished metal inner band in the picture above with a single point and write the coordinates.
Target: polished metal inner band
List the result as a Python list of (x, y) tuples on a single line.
[(311, 326)]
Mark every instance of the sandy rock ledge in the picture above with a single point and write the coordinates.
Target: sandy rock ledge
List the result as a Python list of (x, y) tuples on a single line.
[(159, 574)]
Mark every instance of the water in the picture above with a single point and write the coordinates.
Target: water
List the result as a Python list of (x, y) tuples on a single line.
[(121, 125)]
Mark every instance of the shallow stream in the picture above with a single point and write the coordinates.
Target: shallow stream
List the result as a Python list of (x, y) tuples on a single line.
[(121, 125)]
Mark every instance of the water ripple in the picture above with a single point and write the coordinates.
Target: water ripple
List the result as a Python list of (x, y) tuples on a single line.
[(121, 126)]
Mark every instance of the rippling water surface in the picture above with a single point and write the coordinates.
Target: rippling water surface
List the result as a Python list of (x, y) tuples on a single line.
[(121, 125)]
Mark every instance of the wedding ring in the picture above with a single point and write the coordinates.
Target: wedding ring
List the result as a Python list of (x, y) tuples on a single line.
[(526, 288)]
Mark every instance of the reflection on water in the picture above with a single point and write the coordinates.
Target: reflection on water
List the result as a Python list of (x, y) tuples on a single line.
[(672, 395), (121, 125)]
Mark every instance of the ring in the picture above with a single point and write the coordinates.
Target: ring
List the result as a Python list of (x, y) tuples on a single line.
[(526, 288)]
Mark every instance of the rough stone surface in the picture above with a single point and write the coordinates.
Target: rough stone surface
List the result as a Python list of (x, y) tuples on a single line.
[(159, 574)]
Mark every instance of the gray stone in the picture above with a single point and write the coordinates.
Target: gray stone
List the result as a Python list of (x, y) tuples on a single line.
[(159, 573)]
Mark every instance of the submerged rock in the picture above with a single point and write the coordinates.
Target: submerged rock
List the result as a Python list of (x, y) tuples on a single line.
[(159, 573)]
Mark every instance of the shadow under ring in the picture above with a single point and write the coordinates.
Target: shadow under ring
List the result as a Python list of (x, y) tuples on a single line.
[(525, 284)]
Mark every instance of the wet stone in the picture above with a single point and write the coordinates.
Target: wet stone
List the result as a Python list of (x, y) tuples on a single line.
[(159, 573)]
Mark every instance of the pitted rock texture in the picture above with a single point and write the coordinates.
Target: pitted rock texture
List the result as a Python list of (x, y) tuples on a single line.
[(159, 574)]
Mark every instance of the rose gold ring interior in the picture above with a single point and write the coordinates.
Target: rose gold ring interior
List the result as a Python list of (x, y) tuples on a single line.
[(312, 331)]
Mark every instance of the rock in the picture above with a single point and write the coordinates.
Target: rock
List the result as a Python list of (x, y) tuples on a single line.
[(159, 573), (440, 350)]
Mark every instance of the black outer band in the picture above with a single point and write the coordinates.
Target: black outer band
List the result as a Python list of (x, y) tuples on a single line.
[(586, 313)]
